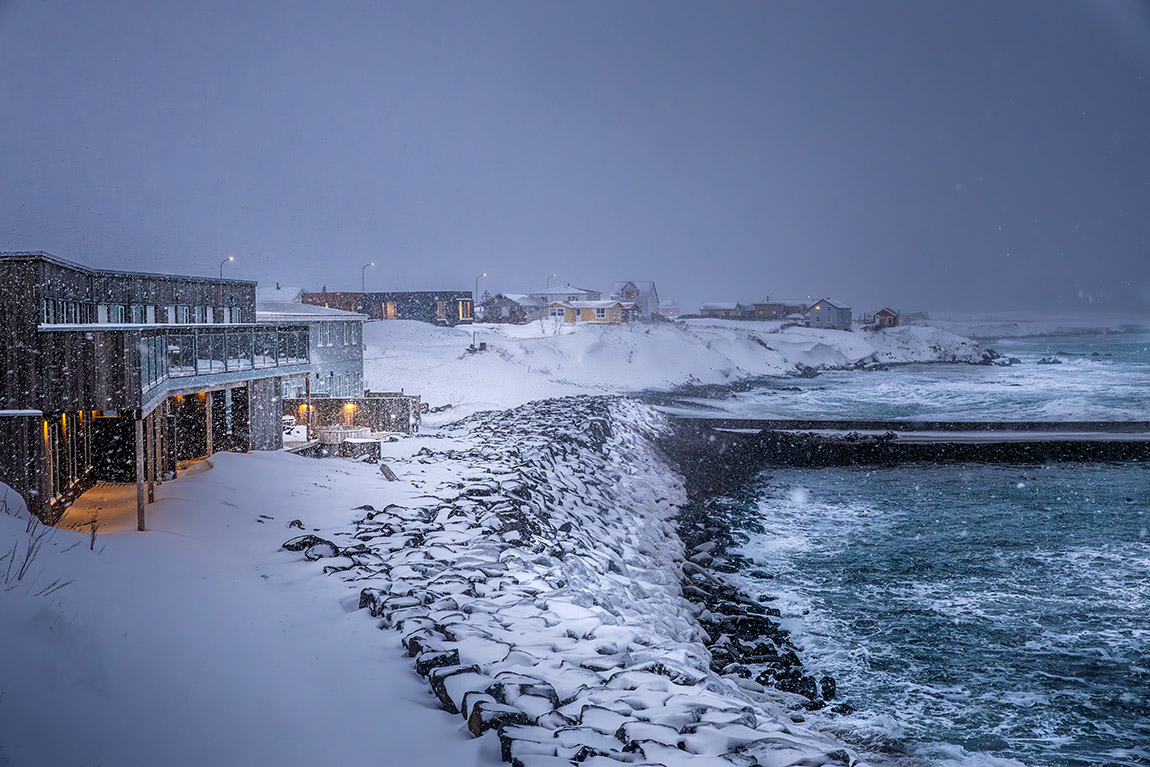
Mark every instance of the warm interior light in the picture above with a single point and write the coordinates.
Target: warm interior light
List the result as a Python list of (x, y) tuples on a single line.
[(302, 408)]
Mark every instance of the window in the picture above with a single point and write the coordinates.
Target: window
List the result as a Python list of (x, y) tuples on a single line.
[(556, 311), (139, 314), (600, 313), (183, 314), (201, 314), (117, 314)]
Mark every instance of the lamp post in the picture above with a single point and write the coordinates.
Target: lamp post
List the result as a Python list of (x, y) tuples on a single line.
[(229, 258), (363, 277), (363, 287), (550, 278), (476, 300)]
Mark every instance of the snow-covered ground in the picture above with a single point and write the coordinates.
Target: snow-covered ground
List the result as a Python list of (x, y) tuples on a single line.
[(540, 360), (201, 642)]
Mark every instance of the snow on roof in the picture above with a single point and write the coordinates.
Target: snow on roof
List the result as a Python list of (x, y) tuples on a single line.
[(276, 293), (562, 290), (520, 298), (786, 301), (831, 302), (274, 311), (644, 288), (594, 304), (720, 306)]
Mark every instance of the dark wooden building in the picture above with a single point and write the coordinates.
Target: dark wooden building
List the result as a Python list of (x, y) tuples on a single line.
[(442, 307), (119, 376)]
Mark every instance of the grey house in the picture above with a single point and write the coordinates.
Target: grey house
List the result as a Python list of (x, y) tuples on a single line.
[(335, 345), (119, 376), (826, 313), (642, 294)]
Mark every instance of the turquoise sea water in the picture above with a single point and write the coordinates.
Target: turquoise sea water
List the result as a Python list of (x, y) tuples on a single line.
[(972, 614), (1068, 378)]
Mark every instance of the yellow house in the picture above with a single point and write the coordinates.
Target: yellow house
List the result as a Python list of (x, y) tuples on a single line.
[(592, 311)]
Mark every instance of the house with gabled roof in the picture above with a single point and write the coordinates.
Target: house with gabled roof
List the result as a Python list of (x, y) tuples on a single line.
[(548, 296), (827, 313), (886, 318), (726, 310), (642, 294)]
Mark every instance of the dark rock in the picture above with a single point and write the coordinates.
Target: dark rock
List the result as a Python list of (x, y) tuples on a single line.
[(426, 661), (486, 716), (306, 542), (386, 471), (828, 687), (295, 523)]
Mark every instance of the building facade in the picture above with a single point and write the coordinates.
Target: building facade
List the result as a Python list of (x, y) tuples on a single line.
[(335, 340), (642, 294), (548, 296), (120, 376), (727, 310), (779, 309), (826, 313), (441, 307)]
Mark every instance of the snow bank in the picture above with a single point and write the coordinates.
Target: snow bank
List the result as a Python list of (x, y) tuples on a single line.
[(199, 642), (535, 575), (535, 361)]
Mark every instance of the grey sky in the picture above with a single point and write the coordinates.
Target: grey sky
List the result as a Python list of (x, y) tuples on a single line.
[(945, 155)]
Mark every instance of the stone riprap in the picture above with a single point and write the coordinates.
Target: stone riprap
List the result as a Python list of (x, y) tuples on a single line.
[(537, 579)]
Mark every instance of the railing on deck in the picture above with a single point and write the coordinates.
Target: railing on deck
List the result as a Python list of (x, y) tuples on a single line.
[(183, 352)]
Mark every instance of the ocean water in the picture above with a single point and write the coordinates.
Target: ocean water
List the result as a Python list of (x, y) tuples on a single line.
[(979, 615), (972, 614), (1096, 377)]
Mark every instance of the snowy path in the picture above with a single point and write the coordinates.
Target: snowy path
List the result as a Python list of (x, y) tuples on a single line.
[(200, 642)]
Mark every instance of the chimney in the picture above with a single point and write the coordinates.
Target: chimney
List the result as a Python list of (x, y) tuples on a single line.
[(277, 286)]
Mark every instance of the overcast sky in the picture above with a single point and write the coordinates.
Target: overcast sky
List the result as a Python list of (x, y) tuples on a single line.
[(923, 155)]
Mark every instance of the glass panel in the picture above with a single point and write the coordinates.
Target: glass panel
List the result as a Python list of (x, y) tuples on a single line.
[(265, 350), (181, 354)]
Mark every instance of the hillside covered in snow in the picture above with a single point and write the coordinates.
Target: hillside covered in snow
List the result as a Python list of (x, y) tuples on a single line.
[(540, 360)]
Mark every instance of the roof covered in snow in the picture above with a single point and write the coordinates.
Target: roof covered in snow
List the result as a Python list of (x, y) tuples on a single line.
[(561, 290), (277, 311), (645, 288), (276, 293), (831, 302)]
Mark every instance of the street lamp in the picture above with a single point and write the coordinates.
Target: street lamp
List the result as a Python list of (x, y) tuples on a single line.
[(363, 277), (363, 287), (229, 258), (477, 288), (549, 279)]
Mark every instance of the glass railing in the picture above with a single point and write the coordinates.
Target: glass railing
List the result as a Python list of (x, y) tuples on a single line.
[(179, 353)]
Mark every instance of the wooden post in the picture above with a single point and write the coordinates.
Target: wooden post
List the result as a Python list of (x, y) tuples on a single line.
[(208, 425), (307, 400), (150, 455), (139, 472), (158, 443)]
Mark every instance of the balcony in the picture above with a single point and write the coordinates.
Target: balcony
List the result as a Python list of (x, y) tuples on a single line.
[(189, 357)]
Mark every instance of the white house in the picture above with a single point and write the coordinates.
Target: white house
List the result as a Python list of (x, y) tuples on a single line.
[(642, 294), (548, 296)]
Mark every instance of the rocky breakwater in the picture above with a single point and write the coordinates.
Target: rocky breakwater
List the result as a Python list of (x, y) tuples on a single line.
[(537, 579)]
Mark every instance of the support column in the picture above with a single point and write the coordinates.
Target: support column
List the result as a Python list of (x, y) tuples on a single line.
[(307, 400), (208, 425), (150, 455), (139, 472)]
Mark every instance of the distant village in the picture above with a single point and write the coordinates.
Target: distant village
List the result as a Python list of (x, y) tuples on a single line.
[(628, 301)]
